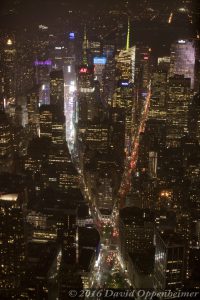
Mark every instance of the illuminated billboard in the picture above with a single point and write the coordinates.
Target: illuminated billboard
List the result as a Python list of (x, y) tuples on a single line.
[(123, 83), (71, 35), (47, 62), (86, 70), (99, 60)]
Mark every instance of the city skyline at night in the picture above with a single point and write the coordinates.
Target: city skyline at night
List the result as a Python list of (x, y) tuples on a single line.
[(99, 149)]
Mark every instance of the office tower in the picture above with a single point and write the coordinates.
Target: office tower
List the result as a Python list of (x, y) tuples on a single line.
[(108, 81), (158, 95), (12, 245), (61, 173), (9, 69), (37, 154), (178, 99), (97, 136), (46, 116), (169, 262), (164, 63), (42, 71), (182, 60), (124, 93), (95, 48), (59, 56), (52, 124), (99, 65), (194, 118), (57, 89), (33, 110), (142, 68), (58, 128), (105, 193), (136, 229), (87, 106), (5, 142)]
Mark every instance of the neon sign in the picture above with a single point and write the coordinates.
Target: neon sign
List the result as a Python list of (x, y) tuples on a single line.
[(83, 70), (123, 83), (47, 62), (71, 35)]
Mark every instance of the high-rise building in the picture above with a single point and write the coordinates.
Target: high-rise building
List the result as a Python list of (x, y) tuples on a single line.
[(5, 142), (182, 59), (9, 60), (124, 93), (169, 262), (12, 243), (99, 65), (178, 99), (136, 228), (158, 95), (46, 116), (194, 117), (57, 89), (33, 110)]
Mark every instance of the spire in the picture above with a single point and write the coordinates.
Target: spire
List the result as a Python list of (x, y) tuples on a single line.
[(85, 45), (128, 35)]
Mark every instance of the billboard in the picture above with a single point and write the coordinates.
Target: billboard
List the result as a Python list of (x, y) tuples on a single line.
[(71, 35), (47, 62), (86, 70), (99, 60), (123, 83)]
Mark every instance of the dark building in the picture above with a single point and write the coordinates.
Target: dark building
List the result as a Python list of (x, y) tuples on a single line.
[(12, 245)]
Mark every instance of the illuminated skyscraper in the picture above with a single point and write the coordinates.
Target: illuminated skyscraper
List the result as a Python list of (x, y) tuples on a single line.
[(5, 142), (169, 262), (194, 118), (124, 93), (9, 60), (182, 59), (136, 230), (52, 124), (46, 121), (57, 89), (33, 110), (178, 99), (86, 94), (158, 95)]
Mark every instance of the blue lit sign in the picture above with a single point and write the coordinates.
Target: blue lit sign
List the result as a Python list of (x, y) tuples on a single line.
[(99, 60), (71, 35), (123, 83)]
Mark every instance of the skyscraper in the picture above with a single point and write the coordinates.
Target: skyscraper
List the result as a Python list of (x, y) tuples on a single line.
[(124, 93), (9, 59), (178, 99), (12, 243), (57, 89), (5, 142), (194, 117), (33, 109), (182, 59), (169, 262)]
